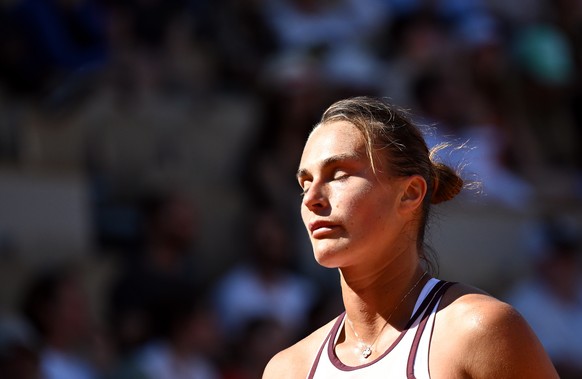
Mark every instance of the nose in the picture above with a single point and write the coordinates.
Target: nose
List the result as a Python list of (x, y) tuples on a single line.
[(315, 197)]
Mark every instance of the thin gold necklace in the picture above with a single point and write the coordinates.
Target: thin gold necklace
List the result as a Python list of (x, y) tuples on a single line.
[(367, 349)]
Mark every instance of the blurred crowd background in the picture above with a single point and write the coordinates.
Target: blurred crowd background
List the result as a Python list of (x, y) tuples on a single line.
[(149, 215)]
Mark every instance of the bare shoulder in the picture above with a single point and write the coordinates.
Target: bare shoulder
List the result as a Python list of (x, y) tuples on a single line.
[(295, 361), (486, 338), (470, 307)]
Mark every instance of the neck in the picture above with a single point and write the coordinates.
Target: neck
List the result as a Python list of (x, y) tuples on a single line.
[(382, 295)]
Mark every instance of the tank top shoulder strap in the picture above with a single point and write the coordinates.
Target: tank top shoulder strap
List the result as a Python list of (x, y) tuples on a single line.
[(330, 335), (431, 289), (428, 308)]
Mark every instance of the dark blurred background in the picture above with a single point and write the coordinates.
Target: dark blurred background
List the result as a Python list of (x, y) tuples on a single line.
[(149, 215)]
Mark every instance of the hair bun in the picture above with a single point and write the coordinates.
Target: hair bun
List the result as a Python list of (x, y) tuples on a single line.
[(446, 183)]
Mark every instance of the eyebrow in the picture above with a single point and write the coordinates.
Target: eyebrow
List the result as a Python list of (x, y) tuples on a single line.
[(302, 172)]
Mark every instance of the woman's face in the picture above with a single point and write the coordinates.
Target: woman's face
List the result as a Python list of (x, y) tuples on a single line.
[(349, 211)]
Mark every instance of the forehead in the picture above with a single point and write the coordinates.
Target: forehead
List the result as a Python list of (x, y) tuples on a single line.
[(334, 137)]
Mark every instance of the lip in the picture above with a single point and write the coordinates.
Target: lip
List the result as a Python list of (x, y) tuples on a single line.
[(321, 228)]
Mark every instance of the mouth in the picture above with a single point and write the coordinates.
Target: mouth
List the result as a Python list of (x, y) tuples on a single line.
[(320, 229)]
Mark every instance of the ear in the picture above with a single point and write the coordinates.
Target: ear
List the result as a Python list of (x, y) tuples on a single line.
[(413, 192)]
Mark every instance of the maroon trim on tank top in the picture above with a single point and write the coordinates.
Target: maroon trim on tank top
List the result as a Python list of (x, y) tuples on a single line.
[(334, 330), (416, 341), (343, 367), (318, 357)]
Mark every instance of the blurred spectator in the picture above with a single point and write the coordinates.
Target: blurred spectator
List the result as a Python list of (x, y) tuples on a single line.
[(245, 41), (545, 57), (449, 105), (254, 346), (327, 42), (264, 285), (551, 299), (185, 346), (149, 21), (56, 306), (159, 270), (466, 19), (48, 40), (163, 47), (517, 13), (495, 78), (19, 354), (412, 44)]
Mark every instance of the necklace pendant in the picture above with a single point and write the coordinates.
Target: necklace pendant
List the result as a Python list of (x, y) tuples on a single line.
[(367, 352)]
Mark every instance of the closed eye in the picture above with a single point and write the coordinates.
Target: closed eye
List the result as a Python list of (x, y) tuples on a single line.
[(305, 187), (340, 175)]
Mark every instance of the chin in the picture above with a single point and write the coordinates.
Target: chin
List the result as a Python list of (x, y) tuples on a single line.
[(326, 257), (327, 263)]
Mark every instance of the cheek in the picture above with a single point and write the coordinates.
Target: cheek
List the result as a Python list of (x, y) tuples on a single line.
[(354, 201), (303, 210), (370, 209)]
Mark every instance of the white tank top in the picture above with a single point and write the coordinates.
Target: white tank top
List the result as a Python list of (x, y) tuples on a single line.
[(406, 358)]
